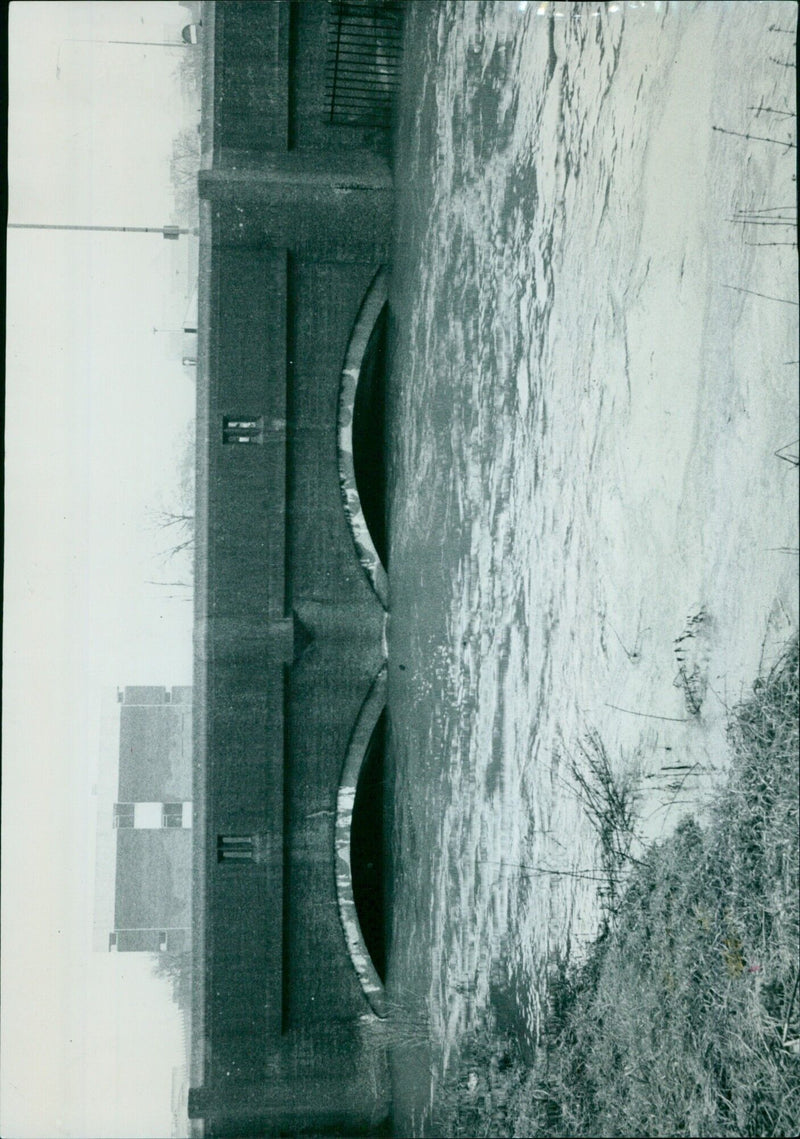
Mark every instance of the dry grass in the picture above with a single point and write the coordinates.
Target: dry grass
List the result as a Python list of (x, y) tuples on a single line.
[(610, 800), (684, 1020)]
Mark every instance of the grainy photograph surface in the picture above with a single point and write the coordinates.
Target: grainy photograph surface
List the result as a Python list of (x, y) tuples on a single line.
[(400, 661)]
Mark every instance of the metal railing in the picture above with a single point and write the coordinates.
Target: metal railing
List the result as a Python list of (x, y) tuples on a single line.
[(362, 70)]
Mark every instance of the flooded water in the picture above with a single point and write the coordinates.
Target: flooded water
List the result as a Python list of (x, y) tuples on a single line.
[(585, 505)]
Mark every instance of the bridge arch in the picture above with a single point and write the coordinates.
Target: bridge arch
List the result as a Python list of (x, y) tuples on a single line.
[(361, 383), (356, 760)]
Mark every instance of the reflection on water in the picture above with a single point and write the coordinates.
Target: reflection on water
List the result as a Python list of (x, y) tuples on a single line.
[(582, 412)]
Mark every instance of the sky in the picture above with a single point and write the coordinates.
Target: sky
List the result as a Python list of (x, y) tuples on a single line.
[(98, 413)]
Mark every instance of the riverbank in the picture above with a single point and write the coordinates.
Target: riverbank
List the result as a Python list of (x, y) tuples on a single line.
[(684, 1017)]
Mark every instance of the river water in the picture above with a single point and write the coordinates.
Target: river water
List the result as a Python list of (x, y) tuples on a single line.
[(584, 409)]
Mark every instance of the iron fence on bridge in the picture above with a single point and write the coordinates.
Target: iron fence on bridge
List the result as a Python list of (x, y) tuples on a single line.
[(362, 71)]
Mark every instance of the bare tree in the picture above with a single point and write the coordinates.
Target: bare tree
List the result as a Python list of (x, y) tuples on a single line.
[(184, 167), (175, 517), (177, 969)]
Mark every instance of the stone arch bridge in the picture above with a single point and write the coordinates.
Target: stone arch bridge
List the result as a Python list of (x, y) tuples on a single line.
[(291, 589)]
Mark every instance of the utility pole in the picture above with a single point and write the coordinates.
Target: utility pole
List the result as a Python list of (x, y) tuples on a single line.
[(142, 43), (170, 232)]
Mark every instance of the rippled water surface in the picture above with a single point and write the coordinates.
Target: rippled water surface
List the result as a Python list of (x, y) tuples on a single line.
[(583, 412)]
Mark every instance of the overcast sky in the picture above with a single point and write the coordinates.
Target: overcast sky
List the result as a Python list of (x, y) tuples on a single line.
[(97, 412)]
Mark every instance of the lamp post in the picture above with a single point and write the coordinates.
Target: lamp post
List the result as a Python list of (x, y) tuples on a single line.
[(170, 232), (143, 43)]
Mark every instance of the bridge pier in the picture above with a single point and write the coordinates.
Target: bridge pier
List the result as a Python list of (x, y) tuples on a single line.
[(295, 204)]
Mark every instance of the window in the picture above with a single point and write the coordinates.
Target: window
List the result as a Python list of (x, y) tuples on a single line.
[(242, 429), (152, 816), (233, 848), (148, 816), (172, 815), (124, 814)]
